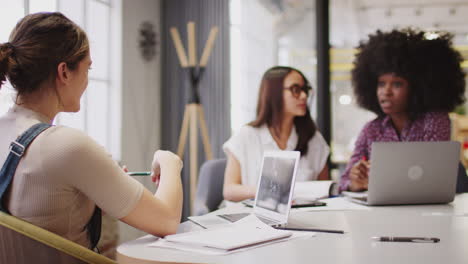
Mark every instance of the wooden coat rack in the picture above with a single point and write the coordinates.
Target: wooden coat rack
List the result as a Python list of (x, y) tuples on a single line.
[(193, 114)]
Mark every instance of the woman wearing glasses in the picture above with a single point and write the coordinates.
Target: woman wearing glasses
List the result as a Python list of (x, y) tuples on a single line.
[(283, 122)]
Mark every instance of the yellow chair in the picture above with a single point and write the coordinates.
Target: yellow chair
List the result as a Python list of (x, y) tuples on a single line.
[(22, 242)]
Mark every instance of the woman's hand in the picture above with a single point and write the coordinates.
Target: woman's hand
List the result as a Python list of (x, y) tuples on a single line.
[(359, 176), (164, 159)]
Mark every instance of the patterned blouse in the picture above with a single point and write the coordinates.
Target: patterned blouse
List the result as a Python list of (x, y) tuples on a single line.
[(431, 126)]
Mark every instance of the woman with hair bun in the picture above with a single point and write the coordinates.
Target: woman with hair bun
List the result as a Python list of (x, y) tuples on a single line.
[(56, 177), (411, 80)]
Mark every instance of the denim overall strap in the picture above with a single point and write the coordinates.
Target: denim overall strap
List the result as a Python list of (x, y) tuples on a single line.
[(94, 228), (17, 149)]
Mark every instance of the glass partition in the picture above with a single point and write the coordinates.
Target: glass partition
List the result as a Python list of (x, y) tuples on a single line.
[(270, 32)]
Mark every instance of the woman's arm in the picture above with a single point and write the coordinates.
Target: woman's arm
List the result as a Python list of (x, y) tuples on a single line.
[(436, 126), (355, 176), (160, 214), (324, 176), (72, 158), (233, 189)]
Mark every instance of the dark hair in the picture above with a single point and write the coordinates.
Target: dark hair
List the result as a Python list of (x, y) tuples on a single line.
[(38, 43), (270, 107), (428, 62)]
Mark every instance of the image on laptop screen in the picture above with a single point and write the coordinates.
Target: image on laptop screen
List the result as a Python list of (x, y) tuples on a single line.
[(275, 183)]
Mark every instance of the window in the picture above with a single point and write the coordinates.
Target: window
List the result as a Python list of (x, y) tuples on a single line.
[(95, 17), (252, 53), (10, 13)]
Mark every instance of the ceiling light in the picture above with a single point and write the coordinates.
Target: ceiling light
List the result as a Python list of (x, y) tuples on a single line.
[(431, 35), (345, 99)]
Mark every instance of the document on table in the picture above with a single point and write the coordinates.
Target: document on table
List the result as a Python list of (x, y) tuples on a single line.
[(312, 190), (209, 221), (244, 234), (355, 194)]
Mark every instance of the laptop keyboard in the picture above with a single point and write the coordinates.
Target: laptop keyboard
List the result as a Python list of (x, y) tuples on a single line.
[(267, 221)]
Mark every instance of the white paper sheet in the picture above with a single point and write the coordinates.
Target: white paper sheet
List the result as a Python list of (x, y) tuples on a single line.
[(312, 190), (243, 224), (355, 194)]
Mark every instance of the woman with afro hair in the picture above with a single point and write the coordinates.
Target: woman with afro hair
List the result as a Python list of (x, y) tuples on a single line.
[(411, 80)]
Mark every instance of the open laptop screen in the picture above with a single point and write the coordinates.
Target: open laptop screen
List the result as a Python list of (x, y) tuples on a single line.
[(274, 190)]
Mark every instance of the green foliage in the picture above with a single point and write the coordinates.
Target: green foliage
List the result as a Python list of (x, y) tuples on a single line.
[(461, 110)]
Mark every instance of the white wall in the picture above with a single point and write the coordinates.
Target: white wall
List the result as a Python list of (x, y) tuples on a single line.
[(253, 51), (141, 86)]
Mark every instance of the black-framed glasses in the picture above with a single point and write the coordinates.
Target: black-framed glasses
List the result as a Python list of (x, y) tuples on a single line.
[(296, 90)]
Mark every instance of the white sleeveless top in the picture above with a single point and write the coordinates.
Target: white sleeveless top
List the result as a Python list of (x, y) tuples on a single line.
[(249, 144)]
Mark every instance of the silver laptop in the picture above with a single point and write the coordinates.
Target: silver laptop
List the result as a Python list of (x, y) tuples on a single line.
[(274, 189), (412, 173)]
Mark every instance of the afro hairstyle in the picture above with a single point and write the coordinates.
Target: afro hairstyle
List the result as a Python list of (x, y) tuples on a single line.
[(430, 65)]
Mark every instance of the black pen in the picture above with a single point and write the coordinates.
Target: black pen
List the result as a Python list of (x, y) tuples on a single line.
[(407, 239), (310, 230)]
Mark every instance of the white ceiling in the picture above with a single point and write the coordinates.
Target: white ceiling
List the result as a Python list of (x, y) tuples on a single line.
[(353, 20)]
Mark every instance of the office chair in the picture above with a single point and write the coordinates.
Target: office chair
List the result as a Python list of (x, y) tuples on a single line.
[(22, 242), (462, 179), (210, 186)]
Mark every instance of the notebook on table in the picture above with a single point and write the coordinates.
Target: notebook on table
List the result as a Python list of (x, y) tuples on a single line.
[(275, 188), (411, 173), (247, 232)]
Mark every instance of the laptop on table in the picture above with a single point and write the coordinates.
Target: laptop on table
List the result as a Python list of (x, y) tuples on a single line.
[(411, 173), (275, 188)]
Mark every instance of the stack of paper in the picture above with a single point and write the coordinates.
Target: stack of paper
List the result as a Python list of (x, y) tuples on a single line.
[(355, 194), (248, 232)]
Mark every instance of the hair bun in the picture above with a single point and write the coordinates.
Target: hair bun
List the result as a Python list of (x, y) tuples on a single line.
[(7, 46), (6, 49)]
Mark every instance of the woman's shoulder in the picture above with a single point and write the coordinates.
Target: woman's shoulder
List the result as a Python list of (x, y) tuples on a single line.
[(375, 124), (438, 122), (434, 116), (248, 131), (318, 141), (317, 138), (66, 139), (64, 132), (245, 137)]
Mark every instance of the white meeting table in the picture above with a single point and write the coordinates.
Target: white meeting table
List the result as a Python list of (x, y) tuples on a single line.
[(449, 222)]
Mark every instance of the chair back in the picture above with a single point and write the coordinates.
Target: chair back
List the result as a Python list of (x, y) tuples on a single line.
[(462, 179), (210, 186), (23, 242)]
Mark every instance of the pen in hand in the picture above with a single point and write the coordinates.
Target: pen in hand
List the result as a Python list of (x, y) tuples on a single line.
[(366, 165), (139, 173), (407, 239)]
